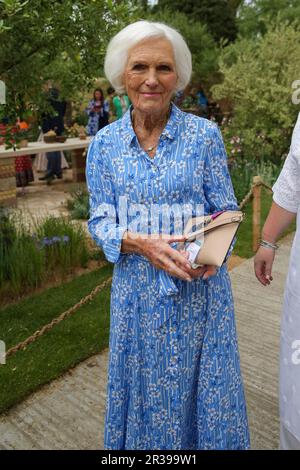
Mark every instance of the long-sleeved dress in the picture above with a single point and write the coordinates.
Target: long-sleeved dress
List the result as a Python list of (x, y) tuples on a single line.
[(286, 193), (174, 379)]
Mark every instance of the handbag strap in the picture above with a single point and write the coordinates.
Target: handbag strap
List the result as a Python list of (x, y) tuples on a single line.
[(216, 224)]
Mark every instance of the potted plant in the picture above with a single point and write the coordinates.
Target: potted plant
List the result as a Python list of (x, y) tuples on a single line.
[(50, 137), (61, 138), (9, 136)]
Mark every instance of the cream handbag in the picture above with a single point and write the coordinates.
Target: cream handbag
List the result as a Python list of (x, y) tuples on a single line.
[(210, 237)]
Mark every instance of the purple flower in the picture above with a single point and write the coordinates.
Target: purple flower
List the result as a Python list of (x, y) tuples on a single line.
[(46, 241)]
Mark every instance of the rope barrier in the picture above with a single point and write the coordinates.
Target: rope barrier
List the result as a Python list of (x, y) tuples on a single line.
[(59, 319), (257, 181)]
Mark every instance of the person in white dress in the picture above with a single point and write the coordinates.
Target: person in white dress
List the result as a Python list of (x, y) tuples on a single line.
[(40, 161), (285, 208)]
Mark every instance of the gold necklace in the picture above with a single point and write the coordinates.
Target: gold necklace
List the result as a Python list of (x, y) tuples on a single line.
[(150, 149)]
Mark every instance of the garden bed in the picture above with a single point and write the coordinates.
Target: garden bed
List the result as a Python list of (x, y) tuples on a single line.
[(84, 333), (30, 258)]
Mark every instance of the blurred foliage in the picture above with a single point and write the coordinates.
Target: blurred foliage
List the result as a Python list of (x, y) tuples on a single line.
[(219, 16), (242, 172), (203, 48), (27, 259), (78, 203), (60, 43), (254, 17), (258, 76)]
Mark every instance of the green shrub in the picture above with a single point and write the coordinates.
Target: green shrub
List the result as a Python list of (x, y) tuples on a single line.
[(78, 204), (242, 172), (27, 259), (258, 76)]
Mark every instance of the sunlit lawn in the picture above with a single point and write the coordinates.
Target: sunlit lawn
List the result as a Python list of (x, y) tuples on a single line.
[(81, 335)]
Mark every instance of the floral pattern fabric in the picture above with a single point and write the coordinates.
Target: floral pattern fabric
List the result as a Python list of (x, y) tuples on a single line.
[(174, 379), (96, 121), (286, 193)]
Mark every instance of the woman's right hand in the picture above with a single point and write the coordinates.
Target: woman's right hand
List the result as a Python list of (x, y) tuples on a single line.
[(263, 263), (159, 252)]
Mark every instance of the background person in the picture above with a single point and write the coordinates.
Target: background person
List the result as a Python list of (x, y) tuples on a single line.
[(54, 122), (23, 164), (121, 103), (284, 209), (97, 112)]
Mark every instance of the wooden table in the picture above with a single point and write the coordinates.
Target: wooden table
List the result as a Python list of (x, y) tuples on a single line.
[(7, 164)]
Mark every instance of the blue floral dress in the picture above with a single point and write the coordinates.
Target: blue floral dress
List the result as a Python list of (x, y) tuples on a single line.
[(96, 121), (174, 379)]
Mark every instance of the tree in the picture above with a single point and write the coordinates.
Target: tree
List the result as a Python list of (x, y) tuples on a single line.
[(62, 41), (254, 16), (258, 77), (203, 48), (217, 15)]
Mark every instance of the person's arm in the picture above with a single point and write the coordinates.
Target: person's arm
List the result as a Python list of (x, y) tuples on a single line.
[(90, 108), (103, 223), (286, 200), (276, 223), (218, 189)]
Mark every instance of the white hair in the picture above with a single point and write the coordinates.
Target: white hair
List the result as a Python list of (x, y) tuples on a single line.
[(119, 46)]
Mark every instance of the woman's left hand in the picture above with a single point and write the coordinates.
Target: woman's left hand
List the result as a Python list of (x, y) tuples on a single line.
[(204, 272)]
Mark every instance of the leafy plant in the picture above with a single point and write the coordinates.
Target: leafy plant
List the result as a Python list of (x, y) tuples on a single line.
[(54, 42), (243, 170), (27, 259), (258, 76), (78, 204)]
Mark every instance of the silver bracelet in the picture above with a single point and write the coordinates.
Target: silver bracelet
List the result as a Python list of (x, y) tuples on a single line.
[(266, 244)]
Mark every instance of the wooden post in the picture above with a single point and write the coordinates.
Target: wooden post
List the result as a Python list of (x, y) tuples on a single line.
[(8, 190), (78, 165), (256, 213)]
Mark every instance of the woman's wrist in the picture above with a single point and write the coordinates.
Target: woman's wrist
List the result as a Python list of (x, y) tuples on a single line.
[(269, 237), (266, 244), (132, 243), (268, 240)]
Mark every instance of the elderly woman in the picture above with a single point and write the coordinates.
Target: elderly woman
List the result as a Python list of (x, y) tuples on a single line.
[(285, 207), (174, 379)]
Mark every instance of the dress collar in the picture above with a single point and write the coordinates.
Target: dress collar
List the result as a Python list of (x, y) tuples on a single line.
[(169, 131)]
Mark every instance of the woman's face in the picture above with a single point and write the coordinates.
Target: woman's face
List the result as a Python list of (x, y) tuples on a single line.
[(150, 75), (97, 95)]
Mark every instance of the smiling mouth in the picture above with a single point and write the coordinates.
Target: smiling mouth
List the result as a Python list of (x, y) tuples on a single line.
[(150, 94)]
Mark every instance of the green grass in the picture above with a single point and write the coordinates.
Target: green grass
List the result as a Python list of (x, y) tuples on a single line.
[(243, 245), (83, 334)]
